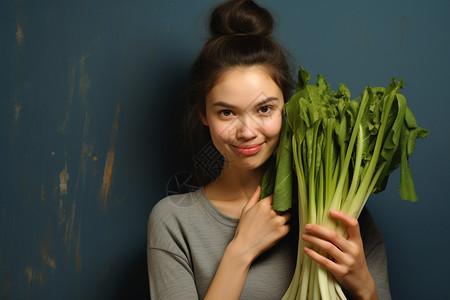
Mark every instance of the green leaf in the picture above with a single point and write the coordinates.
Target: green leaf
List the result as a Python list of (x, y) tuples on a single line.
[(268, 180), (391, 149), (303, 78), (282, 199), (406, 189)]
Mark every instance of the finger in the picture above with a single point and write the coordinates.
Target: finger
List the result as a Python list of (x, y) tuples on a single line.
[(338, 270), (253, 199), (286, 216), (351, 223), (328, 235), (320, 259), (268, 199), (327, 247)]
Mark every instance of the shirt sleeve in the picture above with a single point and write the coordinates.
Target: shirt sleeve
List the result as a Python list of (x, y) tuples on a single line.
[(374, 249), (169, 270)]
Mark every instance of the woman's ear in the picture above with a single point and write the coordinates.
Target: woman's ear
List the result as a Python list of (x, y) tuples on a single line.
[(203, 118)]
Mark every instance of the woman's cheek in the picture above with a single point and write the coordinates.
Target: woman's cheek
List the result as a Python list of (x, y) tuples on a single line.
[(220, 136), (274, 128), (221, 131)]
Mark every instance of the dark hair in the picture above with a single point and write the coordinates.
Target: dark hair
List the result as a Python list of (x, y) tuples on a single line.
[(240, 35)]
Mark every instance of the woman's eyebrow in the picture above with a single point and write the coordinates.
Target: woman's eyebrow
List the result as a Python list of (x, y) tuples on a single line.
[(267, 100), (224, 104), (260, 103)]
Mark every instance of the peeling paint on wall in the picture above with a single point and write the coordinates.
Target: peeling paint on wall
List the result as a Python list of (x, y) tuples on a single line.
[(62, 215), (46, 245), (29, 272), (63, 126), (19, 51), (109, 163), (107, 177), (19, 33), (86, 152), (34, 278), (17, 108), (47, 259), (85, 82), (63, 178), (20, 24), (69, 228), (83, 85)]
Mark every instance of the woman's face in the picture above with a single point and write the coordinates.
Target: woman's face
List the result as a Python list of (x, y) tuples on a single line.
[(244, 115)]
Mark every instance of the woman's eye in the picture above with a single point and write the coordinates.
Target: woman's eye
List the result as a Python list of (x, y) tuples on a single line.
[(265, 109), (226, 113)]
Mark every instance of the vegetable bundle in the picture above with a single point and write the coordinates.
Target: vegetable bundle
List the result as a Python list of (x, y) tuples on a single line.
[(333, 153)]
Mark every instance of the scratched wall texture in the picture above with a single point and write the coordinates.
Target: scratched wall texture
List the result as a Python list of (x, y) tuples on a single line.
[(88, 139)]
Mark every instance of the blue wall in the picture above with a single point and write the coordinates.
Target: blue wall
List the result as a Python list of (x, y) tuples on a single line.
[(88, 141)]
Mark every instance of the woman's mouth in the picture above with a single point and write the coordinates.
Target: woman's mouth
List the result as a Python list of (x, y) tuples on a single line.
[(248, 149)]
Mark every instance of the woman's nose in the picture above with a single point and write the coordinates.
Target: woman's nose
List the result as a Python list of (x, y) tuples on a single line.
[(246, 129)]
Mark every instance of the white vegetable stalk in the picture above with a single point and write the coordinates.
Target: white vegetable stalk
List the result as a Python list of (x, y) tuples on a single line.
[(340, 151)]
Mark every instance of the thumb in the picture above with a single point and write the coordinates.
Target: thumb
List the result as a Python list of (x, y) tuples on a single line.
[(253, 200)]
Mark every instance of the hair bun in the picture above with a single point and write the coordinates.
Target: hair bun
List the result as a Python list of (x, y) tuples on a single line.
[(240, 17)]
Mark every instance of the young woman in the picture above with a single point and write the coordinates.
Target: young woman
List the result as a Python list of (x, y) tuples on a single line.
[(220, 242)]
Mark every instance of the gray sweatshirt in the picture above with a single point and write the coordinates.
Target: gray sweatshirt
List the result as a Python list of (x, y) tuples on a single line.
[(187, 236)]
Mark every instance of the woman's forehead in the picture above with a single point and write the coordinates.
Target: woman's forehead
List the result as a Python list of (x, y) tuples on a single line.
[(244, 84)]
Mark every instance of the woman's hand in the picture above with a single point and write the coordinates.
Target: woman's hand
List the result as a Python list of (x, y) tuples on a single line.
[(260, 227), (346, 259)]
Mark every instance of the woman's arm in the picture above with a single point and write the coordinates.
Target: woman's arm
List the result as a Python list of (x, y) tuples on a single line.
[(170, 276), (375, 252), (346, 260), (260, 228)]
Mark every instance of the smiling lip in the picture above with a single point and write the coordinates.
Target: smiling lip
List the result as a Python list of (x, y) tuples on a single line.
[(248, 149)]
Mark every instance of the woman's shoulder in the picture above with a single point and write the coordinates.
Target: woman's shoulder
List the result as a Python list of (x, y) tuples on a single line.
[(174, 206), (168, 223)]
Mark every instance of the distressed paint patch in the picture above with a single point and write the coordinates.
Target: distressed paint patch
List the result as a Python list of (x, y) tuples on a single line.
[(63, 178), (109, 163), (62, 215), (63, 126), (29, 272), (85, 82), (107, 177), (47, 259), (18, 90), (86, 152), (19, 51), (20, 37), (69, 228), (46, 245), (17, 109), (83, 85), (33, 277)]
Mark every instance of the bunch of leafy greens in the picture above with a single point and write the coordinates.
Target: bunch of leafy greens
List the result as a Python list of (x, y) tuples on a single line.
[(333, 153)]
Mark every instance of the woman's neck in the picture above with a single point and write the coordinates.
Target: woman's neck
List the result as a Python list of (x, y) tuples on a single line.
[(235, 183), (233, 188)]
